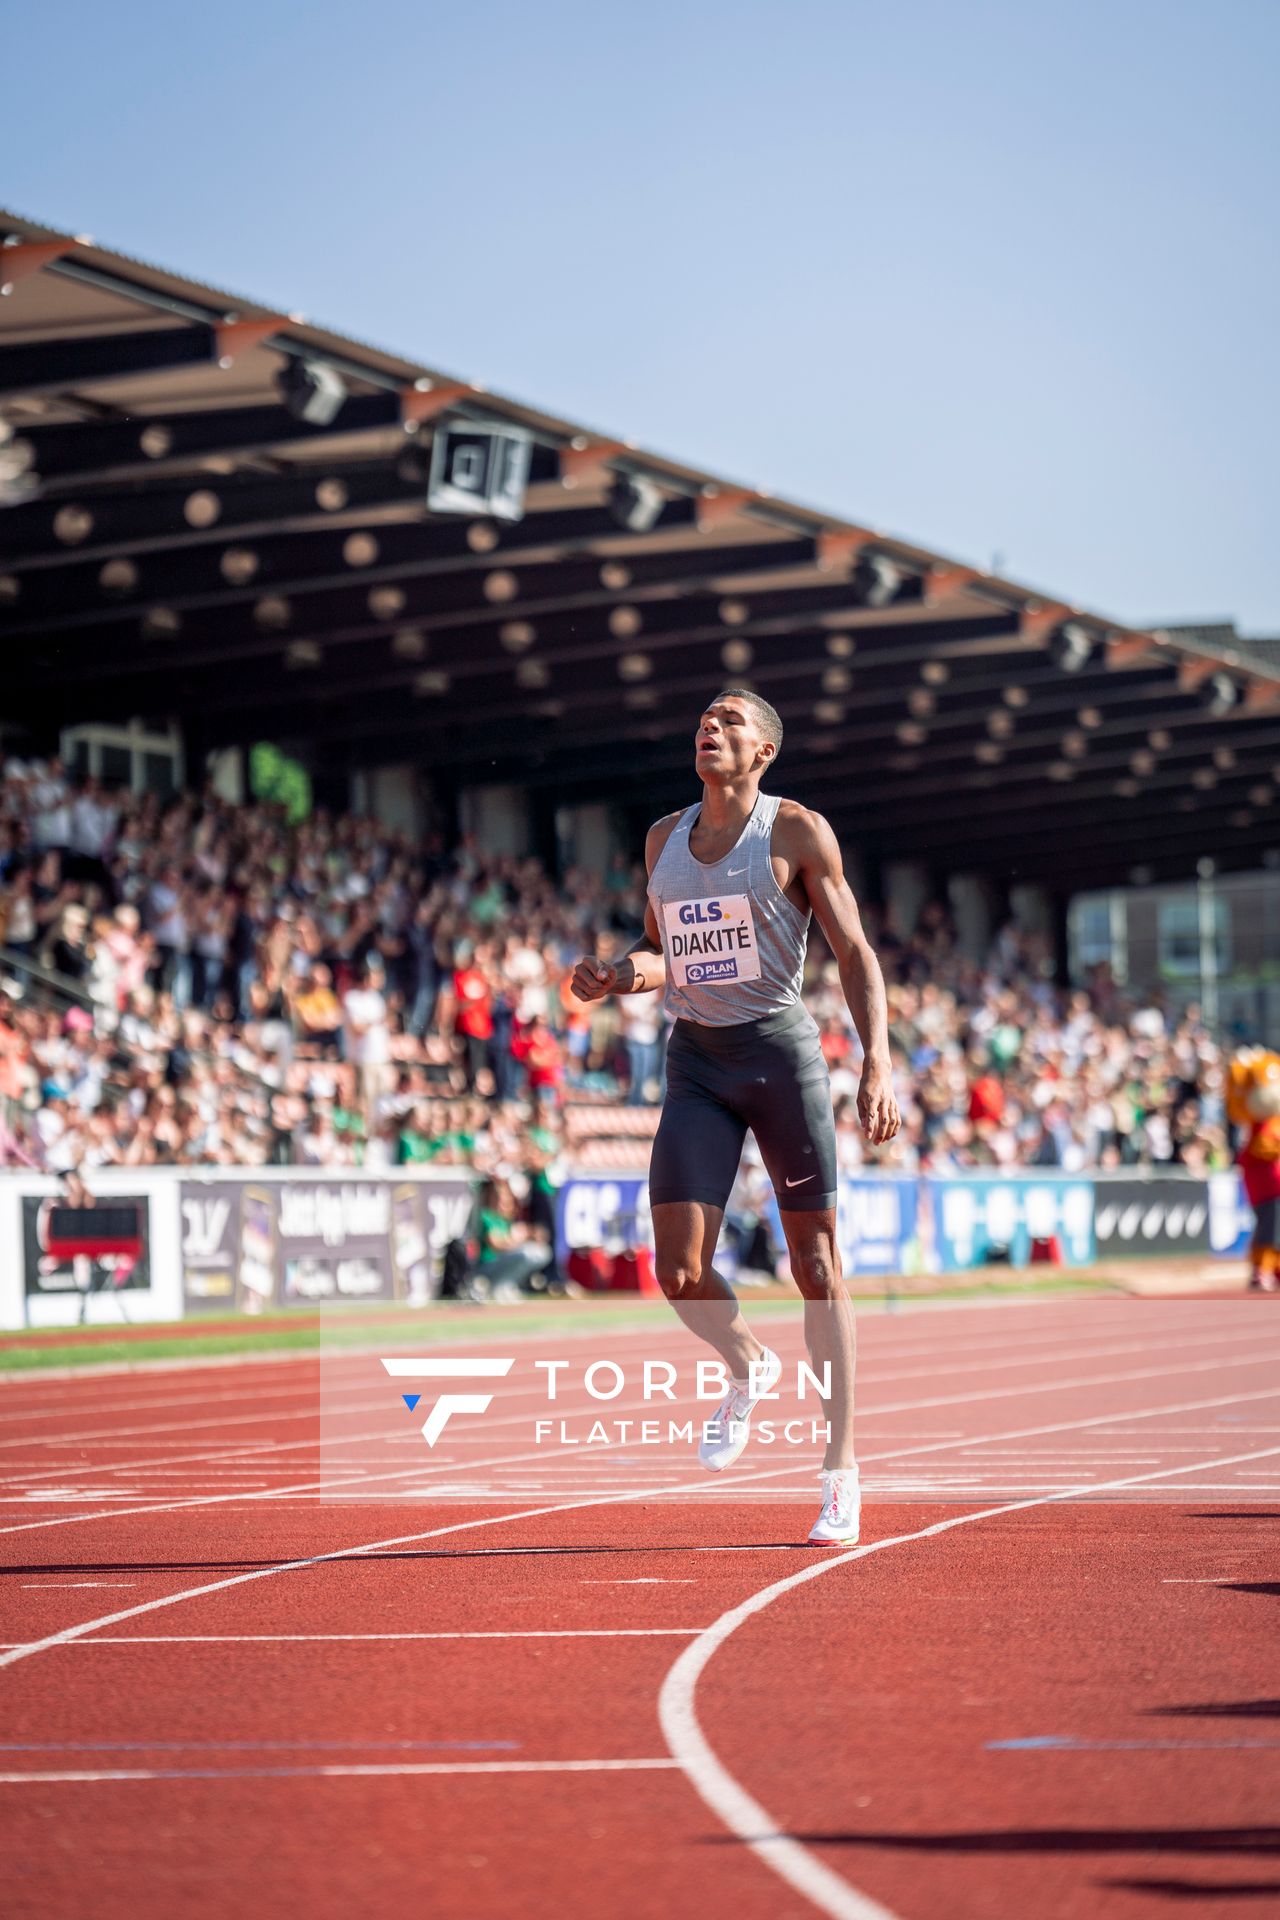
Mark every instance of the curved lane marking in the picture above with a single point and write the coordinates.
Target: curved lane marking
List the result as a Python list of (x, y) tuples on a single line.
[(829, 1891)]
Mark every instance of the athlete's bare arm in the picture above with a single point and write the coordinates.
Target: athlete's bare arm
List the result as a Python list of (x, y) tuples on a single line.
[(811, 853), (644, 968)]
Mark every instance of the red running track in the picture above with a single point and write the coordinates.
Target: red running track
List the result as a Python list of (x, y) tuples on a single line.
[(245, 1669)]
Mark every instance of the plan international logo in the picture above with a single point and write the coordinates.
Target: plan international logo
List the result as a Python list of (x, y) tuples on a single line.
[(710, 940)]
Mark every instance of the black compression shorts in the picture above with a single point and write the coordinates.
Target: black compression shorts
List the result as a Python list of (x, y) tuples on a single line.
[(768, 1075)]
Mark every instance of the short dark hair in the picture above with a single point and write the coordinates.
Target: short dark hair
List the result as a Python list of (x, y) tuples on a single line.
[(767, 716)]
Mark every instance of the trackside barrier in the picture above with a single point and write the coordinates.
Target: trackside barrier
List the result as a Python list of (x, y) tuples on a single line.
[(909, 1224), (255, 1241), (274, 1238)]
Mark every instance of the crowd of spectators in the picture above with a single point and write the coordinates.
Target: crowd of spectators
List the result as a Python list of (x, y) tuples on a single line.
[(332, 994)]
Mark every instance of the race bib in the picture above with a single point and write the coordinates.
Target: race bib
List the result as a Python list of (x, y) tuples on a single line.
[(710, 942)]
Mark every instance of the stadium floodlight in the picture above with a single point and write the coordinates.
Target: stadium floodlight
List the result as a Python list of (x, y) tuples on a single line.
[(877, 580), (1219, 693), (635, 502), (18, 478), (1071, 647), (311, 391), (479, 467)]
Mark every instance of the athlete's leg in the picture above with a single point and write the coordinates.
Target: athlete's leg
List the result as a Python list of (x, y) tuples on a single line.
[(685, 1234), (790, 1114), (828, 1320), (696, 1151)]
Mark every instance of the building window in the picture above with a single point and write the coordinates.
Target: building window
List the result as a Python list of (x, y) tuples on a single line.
[(1089, 929), (158, 773), (145, 759), (114, 764), (1179, 936)]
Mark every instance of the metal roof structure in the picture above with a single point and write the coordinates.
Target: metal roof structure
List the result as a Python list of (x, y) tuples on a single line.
[(178, 541)]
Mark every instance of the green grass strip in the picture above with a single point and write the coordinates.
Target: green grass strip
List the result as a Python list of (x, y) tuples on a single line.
[(31, 1350)]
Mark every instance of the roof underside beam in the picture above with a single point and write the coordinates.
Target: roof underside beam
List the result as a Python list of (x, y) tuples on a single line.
[(615, 744), (327, 576), (377, 602), (55, 364), (582, 690), (262, 576), (68, 457), (575, 652), (210, 509)]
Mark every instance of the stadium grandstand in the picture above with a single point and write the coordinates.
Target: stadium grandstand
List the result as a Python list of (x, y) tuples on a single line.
[(556, 1358), (339, 693)]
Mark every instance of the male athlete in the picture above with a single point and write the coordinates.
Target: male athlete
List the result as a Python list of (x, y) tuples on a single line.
[(732, 884)]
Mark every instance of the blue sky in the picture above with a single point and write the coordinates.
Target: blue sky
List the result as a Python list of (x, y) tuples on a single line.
[(1003, 278)]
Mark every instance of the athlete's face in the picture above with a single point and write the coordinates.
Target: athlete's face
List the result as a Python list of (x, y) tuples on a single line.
[(729, 743)]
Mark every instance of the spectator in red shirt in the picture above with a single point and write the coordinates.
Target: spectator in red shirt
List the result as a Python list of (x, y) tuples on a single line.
[(540, 1054), (986, 1097), (473, 1017)]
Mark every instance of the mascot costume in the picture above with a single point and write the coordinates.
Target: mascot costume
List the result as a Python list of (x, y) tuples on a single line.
[(1253, 1103)]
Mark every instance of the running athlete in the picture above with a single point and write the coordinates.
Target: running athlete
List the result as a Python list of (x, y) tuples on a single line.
[(733, 882)]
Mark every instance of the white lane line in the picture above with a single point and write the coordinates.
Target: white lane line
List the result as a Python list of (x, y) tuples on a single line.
[(276, 1639), (829, 1891), (138, 1403), (198, 1397), (952, 1443), (868, 1413), (946, 1492), (321, 1487), (13, 1654), (1111, 1419), (253, 1451), (141, 1372), (256, 1417), (1056, 1320), (322, 1490), (320, 1391), (246, 1457), (1000, 1363), (1086, 1380), (1246, 1489), (341, 1772)]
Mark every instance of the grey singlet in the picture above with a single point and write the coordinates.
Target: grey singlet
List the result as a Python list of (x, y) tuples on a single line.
[(734, 944)]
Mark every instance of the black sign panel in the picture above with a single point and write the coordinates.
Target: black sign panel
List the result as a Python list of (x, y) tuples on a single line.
[(1136, 1217), (104, 1227), (46, 1274)]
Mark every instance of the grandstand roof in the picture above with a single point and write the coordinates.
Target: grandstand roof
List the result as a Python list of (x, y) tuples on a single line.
[(178, 542)]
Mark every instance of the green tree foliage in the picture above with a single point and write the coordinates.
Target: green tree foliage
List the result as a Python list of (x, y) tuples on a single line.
[(274, 777)]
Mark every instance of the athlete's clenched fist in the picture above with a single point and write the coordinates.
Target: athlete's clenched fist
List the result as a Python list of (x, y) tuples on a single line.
[(877, 1107), (593, 979)]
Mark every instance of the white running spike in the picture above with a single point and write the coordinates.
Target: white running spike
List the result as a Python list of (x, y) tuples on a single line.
[(727, 1432), (840, 1520)]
